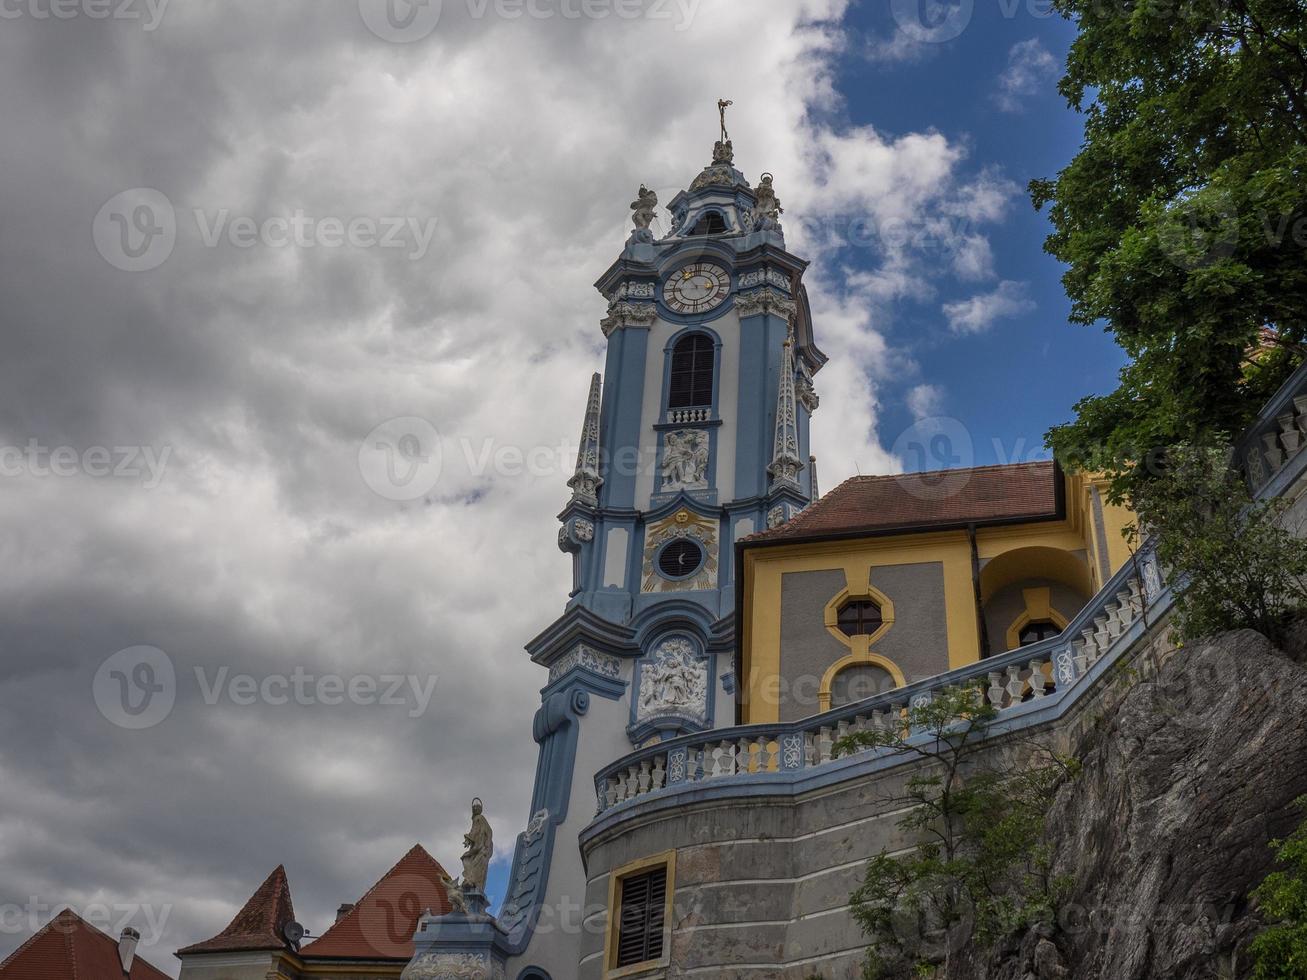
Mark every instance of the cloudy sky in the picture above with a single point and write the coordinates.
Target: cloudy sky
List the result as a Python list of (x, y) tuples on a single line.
[(239, 239)]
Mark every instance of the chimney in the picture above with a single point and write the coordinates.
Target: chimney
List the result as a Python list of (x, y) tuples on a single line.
[(345, 909), (127, 948)]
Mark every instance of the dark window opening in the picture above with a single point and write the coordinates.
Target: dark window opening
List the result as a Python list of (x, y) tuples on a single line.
[(711, 223), (859, 617), (1036, 631), (680, 558), (692, 372), (643, 910)]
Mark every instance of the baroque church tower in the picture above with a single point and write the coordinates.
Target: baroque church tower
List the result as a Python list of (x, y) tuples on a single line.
[(695, 436)]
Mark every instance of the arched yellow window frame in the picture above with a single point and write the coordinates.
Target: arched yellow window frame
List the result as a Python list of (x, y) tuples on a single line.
[(859, 658), (1039, 606)]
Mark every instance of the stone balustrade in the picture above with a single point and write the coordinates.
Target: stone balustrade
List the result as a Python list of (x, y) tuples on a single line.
[(1278, 435), (685, 416), (1009, 680)]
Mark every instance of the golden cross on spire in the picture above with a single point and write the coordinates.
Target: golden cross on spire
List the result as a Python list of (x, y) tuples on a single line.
[(722, 106)]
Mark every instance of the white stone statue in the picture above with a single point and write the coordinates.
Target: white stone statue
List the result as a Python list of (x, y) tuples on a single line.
[(479, 843), (685, 460), (673, 682), (769, 206), (643, 214)]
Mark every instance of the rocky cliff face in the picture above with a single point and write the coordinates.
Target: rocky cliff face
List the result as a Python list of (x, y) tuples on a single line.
[(1165, 832)]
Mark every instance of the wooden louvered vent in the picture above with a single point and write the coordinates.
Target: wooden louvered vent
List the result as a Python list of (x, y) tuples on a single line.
[(640, 930)]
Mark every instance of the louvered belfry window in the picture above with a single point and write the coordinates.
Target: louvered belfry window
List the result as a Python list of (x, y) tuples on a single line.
[(692, 372), (640, 929)]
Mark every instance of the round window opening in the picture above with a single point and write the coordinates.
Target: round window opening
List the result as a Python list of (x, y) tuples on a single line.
[(859, 617), (680, 558)]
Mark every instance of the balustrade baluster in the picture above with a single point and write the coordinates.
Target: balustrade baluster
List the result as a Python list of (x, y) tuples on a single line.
[(824, 745), (1037, 679), (1091, 645), (659, 772), (1136, 597), (1125, 611), (719, 765), (995, 692), (1015, 685), (742, 756), (644, 778), (1273, 454), (1101, 634), (1290, 437), (1080, 656)]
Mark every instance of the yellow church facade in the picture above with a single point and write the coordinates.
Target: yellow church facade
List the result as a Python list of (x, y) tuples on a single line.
[(891, 579)]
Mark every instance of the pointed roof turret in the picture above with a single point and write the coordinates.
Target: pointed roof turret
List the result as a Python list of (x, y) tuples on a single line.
[(785, 463), (585, 483), (70, 948), (381, 924), (260, 925)]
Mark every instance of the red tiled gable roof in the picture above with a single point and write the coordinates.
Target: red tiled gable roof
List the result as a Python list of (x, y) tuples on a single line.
[(259, 924), (70, 948), (910, 501), (381, 925)]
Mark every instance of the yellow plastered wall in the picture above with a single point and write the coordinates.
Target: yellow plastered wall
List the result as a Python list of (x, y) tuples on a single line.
[(1069, 550)]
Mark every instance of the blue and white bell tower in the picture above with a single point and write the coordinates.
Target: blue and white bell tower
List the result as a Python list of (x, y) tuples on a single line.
[(695, 436)]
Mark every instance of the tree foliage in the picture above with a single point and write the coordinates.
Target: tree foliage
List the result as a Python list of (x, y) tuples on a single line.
[(1280, 951), (1183, 218), (1235, 563), (979, 868)]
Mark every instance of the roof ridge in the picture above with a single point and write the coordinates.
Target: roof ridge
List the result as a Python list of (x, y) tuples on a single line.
[(987, 467)]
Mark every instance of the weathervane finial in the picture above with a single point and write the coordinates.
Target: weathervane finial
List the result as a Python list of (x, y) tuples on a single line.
[(722, 106)]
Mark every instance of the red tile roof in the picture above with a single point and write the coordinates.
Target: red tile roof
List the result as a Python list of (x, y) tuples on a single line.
[(70, 948), (259, 924), (911, 501), (382, 923)]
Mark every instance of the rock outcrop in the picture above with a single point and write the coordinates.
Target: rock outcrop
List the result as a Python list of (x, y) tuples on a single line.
[(1166, 830)]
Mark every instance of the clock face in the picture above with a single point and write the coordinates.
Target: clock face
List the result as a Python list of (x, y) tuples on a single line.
[(697, 288)]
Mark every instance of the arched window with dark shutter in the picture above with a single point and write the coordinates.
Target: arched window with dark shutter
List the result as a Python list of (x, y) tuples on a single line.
[(692, 372)]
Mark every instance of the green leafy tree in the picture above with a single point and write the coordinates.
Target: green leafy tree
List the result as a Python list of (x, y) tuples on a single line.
[(1235, 562), (1183, 218), (978, 812), (1280, 952)]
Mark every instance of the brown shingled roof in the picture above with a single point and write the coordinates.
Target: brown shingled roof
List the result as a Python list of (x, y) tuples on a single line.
[(259, 925), (925, 501), (382, 924), (70, 948)]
